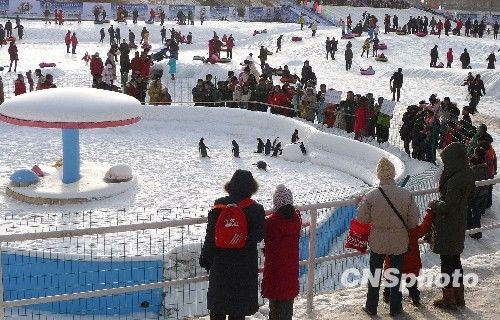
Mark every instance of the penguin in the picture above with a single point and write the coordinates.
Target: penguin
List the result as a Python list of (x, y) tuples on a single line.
[(236, 149), (267, 149), (260, 146), (202, 148), (274, 143), (261, 165), (302, 148), (295, 136), (277, 149)]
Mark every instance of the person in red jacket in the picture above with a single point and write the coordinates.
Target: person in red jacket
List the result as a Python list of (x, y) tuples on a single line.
[(230, 46), (280, 280), (19, 85), (96, 66), (361, 119), (74, 42), (449, 58), (459, 26), (136, 64), (412, 264), (439, 28), (67, 40)]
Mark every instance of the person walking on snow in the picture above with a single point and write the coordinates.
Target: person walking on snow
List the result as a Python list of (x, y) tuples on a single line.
[(434, 56), (491, 61), (67, 40), (301, 22), (314, 28), (74, 42), (396, 83), (278, 43), (103, 34), (13, 55), (449, 58), (366, 47)]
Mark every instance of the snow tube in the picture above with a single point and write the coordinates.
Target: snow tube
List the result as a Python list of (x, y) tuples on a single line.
[(401, 33), (348, 36), (224, 60), (382, 46), (198, 58), (357, 34), (296, 38), (150, 22), (421, 34), (384, 59), (47, 65), (367, 72), (11, 38)]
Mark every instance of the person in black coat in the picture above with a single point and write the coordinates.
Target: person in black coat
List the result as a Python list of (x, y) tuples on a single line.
[(8, 28), (396, 83), (236, 149), (434, 56), (295, 136), (335, 44), (103, 34), (465, 59), (202, 148), (267, 148), (278, 43), (233, 280), (260, 146)]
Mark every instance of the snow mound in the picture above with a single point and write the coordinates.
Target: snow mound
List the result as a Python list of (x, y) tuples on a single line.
[(119, 173), (72, 105), (291, 152)]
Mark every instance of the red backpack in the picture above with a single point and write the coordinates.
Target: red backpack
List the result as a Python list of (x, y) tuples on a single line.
[(231, 229)]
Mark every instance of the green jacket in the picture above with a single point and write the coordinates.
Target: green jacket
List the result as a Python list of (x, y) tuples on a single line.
[(456, 191), (382, 119)]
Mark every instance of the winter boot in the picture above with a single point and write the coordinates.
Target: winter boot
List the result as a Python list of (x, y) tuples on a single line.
[(459, 296), (448, 300)]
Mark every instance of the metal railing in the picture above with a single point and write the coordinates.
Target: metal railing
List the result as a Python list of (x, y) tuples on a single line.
[(312, 261)]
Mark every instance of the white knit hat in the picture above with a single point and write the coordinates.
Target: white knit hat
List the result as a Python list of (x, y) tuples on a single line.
[(385, 170), (282, 196)]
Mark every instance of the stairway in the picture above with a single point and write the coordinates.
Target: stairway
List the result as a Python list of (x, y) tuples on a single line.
[(297, 10)]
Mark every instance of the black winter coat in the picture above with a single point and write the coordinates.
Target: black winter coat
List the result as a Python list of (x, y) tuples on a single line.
[(233, 281)]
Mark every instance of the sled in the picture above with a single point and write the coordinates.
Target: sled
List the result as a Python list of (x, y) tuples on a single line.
[(348, 36), (98, 21), (421, 34), (11, 38), (224, 60), (439, 66), (296, 38), (356, 35), (367, 72), (382, 46), (269, 53), (381, 59), (198, 58), (150, 22), (47, 65)]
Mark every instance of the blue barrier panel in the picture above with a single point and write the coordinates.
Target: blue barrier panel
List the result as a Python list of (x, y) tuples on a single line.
[(26, 276), (334, 226)]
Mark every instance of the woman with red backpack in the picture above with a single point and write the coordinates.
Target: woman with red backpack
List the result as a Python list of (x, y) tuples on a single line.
[(280, 282), (229, 253)]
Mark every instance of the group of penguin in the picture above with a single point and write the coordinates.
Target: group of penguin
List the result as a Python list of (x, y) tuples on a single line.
[(262, 147)]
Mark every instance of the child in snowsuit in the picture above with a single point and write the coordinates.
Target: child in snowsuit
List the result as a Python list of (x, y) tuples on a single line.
[(412, 264)]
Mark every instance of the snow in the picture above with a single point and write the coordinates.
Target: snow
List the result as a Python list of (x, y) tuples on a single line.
[(162, 149), (91, 186), (72, 105), (291, 152), (119, 172)]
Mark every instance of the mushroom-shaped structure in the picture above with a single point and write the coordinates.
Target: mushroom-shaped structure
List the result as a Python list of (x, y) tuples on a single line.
[(71, 109)]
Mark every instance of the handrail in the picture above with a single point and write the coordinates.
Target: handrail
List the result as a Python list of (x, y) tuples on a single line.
[(182, 222)]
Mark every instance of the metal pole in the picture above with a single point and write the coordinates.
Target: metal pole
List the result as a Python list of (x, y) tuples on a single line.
[(311, 261), (2, 311), (71, 155)]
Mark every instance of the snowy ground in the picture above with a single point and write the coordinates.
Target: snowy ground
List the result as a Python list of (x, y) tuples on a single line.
[(155, 148)]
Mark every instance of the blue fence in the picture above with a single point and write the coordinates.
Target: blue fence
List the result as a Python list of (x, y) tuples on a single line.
[(32, 276)]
